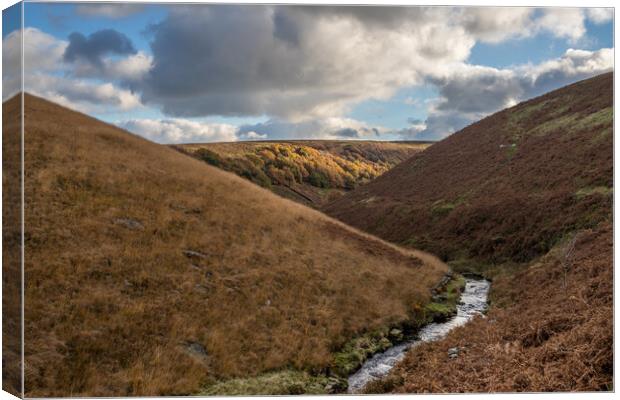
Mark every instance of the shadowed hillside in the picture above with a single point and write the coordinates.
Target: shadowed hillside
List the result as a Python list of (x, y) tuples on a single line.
[(149, 272), (524, 197), (310, 172)]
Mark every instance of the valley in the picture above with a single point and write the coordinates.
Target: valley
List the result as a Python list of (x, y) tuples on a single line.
[(523, 197), (178, 270), (311, 172)]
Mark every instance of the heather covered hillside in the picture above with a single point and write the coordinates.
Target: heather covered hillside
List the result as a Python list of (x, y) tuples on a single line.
[(310, 172), (506, 188), (523, 197)]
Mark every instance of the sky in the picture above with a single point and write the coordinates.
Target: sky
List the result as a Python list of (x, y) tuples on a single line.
[(178, 73)]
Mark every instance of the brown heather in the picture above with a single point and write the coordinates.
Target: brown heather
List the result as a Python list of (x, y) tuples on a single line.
[(11, 252), (539, 335), (524, 196), (139, 257)]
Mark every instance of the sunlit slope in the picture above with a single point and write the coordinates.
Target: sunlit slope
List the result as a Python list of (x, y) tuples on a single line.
[(149, 272), (311, 172), (505, 188)]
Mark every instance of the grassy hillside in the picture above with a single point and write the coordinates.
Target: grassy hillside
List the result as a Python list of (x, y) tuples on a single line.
[(149, 272), (525, 197), (11, 251), (310, 172)]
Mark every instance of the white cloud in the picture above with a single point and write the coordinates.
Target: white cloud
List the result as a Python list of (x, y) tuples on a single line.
[(568, 23), (42, 53), (129, 69), (82, 95), (495, 24), (305, 67), (47, 75), (180, 130), (471, 92), (319, 128), (300, 63), (600, 15), (251, 135)]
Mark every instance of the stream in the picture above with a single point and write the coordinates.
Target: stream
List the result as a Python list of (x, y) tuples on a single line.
[(473, 302)]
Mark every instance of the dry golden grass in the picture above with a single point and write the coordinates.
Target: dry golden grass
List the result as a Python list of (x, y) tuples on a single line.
[(113, 302), (11, 252)]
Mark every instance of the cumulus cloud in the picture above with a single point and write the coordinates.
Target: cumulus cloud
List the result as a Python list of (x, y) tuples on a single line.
[(97, 45), (304, 62), (82, 95), (48, 75), (182, 130), (129, 70), (469, 92), (251, 135), (322, 128), (110, 10), (292, 62), (42, 53), (600, 15), (494, 24), (304, 67)]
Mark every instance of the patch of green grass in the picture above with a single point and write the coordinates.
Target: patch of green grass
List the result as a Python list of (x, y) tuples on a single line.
[(591, 191), (604, 116), (356, 351), (287, 382), (575, 122), (443, 207), (444, 304)]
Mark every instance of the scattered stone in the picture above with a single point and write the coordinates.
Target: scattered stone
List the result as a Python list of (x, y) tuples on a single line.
[(201, 288), (196, 350), (396, 334), (194, 254), (186, 210), (129, 224), (453, 352), (268, 302), (335, 385)]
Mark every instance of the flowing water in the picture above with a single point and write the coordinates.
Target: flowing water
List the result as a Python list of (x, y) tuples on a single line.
[(473, 302)]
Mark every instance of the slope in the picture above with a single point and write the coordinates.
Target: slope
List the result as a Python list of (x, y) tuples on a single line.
[(524, 197), (505, 188), (149, 272), (311, 172)]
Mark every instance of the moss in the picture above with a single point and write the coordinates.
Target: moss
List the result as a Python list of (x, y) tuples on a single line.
[(444, 207), (575, 122), (356, 351), (287, 382), (444, 304), (441, 209), (591, 191)]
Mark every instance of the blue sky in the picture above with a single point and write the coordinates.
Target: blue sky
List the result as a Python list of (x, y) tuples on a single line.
[(208, 73)]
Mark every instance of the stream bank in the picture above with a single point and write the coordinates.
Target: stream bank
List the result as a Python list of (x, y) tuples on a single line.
[(473, 302)]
